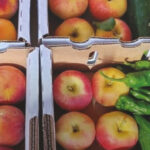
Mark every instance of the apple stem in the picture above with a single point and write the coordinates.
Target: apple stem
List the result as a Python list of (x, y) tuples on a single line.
[(96, 23), (70, 88), (75, 128)]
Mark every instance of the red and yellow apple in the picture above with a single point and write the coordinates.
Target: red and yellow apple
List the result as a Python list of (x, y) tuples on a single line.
[(5, 148), (13, 85), (116, 131), (8, 8), (12, 124), (78, 29), (7, 30), (120, 30), (72, 90), (107, 92), (104, 9), (75, 131), (67, 9)]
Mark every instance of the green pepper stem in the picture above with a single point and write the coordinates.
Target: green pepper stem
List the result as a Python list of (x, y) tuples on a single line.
[(112, 79), (128, 64)]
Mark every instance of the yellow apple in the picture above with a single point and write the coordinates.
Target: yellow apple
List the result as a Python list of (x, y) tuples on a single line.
[(121, 30), (116, 131), (78, 29), (107, 92), (104, 9), (75, 131)]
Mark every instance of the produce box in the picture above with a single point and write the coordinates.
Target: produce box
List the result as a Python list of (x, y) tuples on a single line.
[(135, 17), (21, 20), (57, 59), (27, 61)]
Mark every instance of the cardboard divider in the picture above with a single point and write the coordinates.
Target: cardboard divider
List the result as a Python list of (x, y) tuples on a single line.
[(27, 60), (56, 59)]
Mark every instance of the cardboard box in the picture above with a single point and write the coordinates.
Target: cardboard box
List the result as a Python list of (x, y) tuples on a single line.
[(56, 59), (21, 20), (48, 22), (27, 60)]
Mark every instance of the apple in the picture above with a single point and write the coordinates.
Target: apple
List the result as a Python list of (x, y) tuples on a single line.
[(75, 131), (5, 148), (78, 29), (120, 30), (13, 85), (72, 90), (8, 8), (116, 131), (67, 9), (104, 9), (12, 122), (107, 92), (7, 30)]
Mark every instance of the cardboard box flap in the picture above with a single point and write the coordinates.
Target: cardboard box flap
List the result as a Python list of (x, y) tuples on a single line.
[(32, 101), (62, 41), (24, 20), (42, 18), (5, 45), (107, 54), (15, 56)]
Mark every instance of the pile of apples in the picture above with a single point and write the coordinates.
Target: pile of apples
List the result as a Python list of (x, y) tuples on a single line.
[(8, 9), (73, 92), (79, 30), (12, 119)]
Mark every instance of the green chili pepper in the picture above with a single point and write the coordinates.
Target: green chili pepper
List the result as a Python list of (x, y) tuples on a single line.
[(123, 68), (144, 132), (138, 65), (127, 103), (143, 90), (134, 79), (139, 95)]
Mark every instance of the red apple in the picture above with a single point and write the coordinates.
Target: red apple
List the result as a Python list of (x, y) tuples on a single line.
[(12, 124), (107, 92), (8, 8), (75, 131), (116, 131), (13, 85), (104, 9), (78, 29), (5, 148), (120, 30), (67, 9), (72, 90)]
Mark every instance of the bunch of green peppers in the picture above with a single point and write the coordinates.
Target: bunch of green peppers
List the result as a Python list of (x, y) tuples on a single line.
[(137, 101)]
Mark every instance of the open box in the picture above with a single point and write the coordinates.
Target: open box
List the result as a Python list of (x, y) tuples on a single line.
[(56, 59), (27, 60), (48, 22), (21, 20)]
